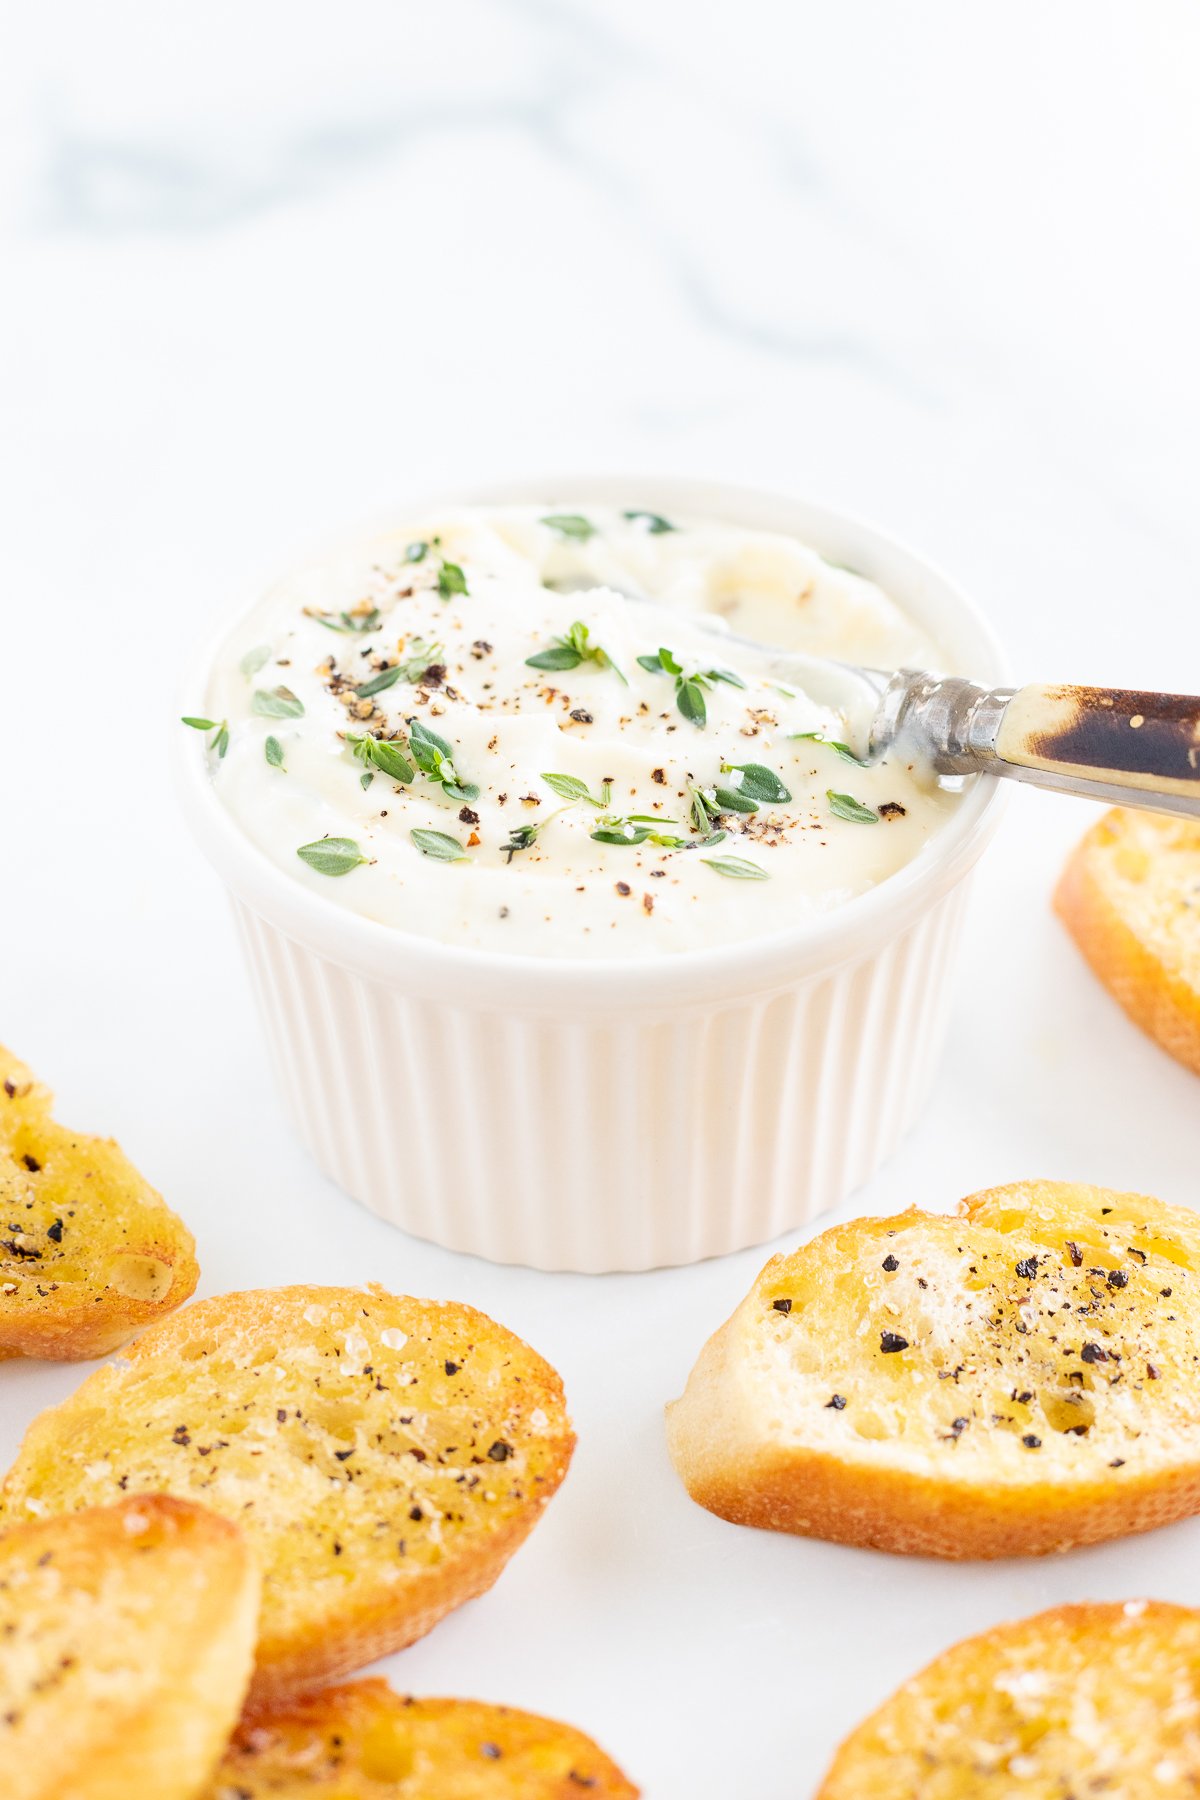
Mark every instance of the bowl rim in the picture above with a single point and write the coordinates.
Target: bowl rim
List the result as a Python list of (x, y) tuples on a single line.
[(431, 968)]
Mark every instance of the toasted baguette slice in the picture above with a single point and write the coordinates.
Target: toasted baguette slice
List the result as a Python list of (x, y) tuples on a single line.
[(89, 1252), (1014, 1380), (126, 1642), (385, 1455), (1130, 897), (366, 1741), (1079, 1701)]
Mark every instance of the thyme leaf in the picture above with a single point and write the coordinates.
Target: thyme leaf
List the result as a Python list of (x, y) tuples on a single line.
[(276, 703), (559, 656), (729, 799), (439, 845), (845, 806), (379, 684), (451, 580), (254, 659), (843, 750), (689, 698), (571, 525), (736, 867), (219, 741), (332, 855)]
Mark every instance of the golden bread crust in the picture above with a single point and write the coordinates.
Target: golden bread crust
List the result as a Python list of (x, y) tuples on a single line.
[(367, 1740), (90, 1253), (385, 1456), (1130, 897), (1080, 1700), (1012, 1381), (126, 1643)]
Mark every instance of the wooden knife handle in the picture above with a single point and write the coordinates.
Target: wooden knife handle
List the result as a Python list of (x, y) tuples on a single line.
[(1113, 737)]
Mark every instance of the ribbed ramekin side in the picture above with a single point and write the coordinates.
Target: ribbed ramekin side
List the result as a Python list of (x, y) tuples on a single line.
[(616, 1143)]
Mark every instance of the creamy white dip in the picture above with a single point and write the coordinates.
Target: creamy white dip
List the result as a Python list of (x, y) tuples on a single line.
[(599, 800)]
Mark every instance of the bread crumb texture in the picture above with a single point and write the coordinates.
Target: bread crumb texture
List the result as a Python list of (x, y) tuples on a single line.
[(1019, 1378), (1081, 1702), (89, 1252), (1130, 897), (126, 1642), (385, 1456), (365, 1741)]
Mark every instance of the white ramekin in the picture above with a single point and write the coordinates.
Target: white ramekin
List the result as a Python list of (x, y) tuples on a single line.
[(615, 1115)]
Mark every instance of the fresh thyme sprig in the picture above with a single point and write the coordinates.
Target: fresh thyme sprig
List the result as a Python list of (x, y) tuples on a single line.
[(703, 810), (421, 657), (843, 750), (220, 730), (689, 689), (254, 659), (450, 577), (639, 828), (704, 817), (451, 580), (759, 786), (273, 751), (523, 837), (574, 648), (382, 755), (435, 758), (358, 622), (569, 787)]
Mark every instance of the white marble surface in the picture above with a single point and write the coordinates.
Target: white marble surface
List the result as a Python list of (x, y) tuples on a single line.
[(266, 267)]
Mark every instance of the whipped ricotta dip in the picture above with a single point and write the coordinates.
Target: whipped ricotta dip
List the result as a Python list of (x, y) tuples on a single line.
[(474, 728)]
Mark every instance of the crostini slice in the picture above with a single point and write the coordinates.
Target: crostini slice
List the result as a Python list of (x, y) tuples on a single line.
[(1130, 897), (1083, 1700), (1019, 1378), (363, 1739), (126, 1643), (89, 1252), (384, 1455)]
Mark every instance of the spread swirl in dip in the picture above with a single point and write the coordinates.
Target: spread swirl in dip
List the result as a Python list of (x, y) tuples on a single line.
[(469, 729)]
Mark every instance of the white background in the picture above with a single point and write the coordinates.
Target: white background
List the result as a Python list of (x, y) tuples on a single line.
[(269, 266)]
